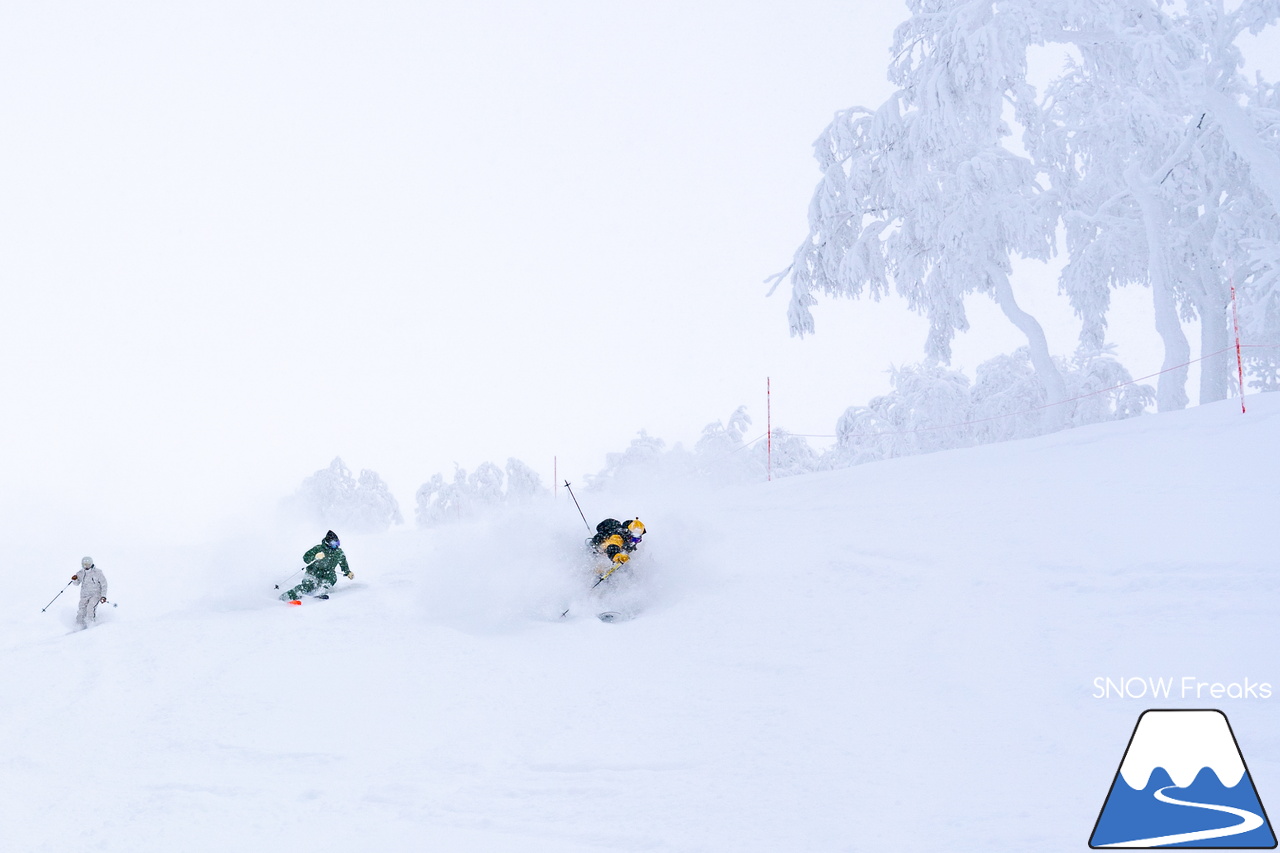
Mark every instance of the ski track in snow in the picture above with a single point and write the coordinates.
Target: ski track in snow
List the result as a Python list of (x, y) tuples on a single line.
[(896, 657)]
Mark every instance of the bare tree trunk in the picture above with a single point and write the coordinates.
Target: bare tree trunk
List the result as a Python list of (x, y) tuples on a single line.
[(1215, 338), (1055, 416), (1171, 390)]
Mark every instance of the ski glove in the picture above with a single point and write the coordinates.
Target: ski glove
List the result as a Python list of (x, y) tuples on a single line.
[(351, 576), (75, 577), (620, 558), (103, 601)]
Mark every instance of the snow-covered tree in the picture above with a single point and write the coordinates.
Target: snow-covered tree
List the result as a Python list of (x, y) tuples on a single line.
[(923, 196), (485, 484), (932, 407), (1259, 319), (523, 483), (336, 499), (791, 455), (720, 438), (718, 452), (1102, 389), (375, 507), (1258, 283), (646, 457), (925, 412), (1151, 149), (1166, 168), (440, 500)]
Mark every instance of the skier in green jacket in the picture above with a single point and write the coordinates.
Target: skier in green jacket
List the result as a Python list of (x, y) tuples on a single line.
[(323, 562)]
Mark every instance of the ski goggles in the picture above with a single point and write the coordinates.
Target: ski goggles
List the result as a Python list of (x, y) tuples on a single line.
[(332, 543)]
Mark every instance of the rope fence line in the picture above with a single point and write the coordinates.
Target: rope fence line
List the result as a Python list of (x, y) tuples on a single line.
[(1042, 406), (769, 432)]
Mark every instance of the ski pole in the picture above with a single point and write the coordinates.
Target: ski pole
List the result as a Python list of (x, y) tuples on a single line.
[(55, 598), (578, 505), (569, 487), (603, 578), (291, 577)]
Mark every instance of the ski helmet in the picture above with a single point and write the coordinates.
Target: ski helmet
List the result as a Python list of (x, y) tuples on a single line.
[(636, 528), (86, 563)]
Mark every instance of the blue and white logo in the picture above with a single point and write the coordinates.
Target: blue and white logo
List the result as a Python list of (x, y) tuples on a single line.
[(1183, 783)]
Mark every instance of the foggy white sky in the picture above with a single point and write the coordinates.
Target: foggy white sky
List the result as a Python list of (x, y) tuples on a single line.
[(241, 238)]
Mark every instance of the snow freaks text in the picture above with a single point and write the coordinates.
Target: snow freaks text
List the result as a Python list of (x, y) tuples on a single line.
[(1186, 687)]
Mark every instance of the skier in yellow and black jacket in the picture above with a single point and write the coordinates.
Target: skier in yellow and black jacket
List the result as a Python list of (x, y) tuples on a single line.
[(617, 540)]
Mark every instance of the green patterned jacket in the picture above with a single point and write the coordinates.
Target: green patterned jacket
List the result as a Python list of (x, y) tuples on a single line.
[(323, 563)]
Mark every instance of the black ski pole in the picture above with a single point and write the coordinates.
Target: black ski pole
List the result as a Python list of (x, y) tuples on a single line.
[(303, 569), (578, 505), (605, 576), (55, 598), (584, 521)]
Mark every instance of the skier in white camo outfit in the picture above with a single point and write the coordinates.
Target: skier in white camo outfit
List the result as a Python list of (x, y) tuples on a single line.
[(93, 591)]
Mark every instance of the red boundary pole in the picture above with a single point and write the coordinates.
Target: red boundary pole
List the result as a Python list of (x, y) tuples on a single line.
[(768, 420), (1235, 322)]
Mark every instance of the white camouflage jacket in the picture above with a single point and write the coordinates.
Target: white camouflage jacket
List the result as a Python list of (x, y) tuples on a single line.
[(90, 580)]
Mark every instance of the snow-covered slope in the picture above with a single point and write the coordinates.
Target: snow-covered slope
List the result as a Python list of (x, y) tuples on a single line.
[(897, 657)]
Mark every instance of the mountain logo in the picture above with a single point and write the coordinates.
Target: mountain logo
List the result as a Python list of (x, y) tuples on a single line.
[(1183, 783)]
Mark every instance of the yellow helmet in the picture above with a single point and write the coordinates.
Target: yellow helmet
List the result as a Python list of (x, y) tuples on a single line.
[(636, 528)]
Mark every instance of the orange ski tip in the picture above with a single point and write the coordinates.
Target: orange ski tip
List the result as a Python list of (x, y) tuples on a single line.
[(295, 601)]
